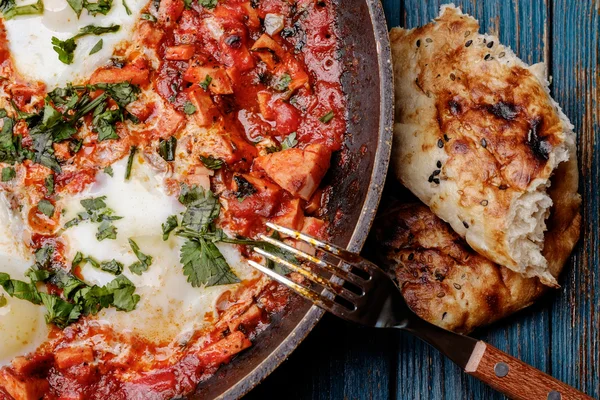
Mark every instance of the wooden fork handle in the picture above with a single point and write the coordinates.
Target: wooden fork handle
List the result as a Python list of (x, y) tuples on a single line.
[(516, 379)]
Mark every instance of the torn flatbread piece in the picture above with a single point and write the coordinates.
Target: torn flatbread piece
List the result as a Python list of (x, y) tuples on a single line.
[(478, 137)]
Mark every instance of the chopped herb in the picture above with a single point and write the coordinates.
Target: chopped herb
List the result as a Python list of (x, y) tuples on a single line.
[(166, 148), (132, 152), (144, 260), (149, 17), (203, 264), (94, 203), (10, 10), (290, 141), (210, 4), (106, 230), (8, 173), (77, 259), (46, 208), (127, 10), (206, 82), (327, 117), (97, 47), (189, 108), (109, 171), (113, 266), (105, 122), (100, 7), (49, 184), (3, 301), (282, 84), (169, 225), (212, 163), (66, 48), (187, 4), (202, 208)]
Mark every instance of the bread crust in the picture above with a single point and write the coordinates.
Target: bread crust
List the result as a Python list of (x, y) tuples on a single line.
[(478, 137), (441, 278)]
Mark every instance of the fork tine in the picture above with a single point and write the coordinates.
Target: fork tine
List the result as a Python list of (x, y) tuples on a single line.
[(335, 251), (331, 268), (314, 297), (336, 289)]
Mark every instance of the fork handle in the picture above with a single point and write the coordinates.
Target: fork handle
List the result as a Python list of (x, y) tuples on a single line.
[(516, 379)]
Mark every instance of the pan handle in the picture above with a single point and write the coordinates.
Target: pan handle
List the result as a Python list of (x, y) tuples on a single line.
[(516, 379)]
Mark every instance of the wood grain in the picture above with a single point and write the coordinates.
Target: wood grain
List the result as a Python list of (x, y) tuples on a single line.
[(516, 379), (561, 334)]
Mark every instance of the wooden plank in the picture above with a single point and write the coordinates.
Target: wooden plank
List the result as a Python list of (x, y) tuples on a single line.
[(576, 313), (424, 374)]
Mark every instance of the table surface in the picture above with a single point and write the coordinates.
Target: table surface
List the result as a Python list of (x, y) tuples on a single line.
[(561, 334)]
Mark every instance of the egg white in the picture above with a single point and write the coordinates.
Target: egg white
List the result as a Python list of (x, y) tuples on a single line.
[(30, 40)]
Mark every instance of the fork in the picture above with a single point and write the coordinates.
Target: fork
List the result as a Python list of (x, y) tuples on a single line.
[(358, 291)]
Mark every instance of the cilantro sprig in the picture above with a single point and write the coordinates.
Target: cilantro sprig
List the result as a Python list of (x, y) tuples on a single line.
[(66, 48), (97, 211)]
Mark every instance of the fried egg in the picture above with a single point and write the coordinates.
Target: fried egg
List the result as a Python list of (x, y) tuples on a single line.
[(30, 40)]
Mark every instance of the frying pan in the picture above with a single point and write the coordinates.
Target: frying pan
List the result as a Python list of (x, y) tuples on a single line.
[(357, 175)]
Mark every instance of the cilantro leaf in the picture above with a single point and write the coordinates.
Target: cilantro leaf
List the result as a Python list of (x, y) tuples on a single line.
[(202, 208), (210, 4), (3, 301), (19, 289), (65, 49), (127, 10), (100, 7), (203, 264), (77, 6), (123, 290), (148, 17), (282, 83), (169, 225), (49, 184), (8, 173), (93, 203), (30, 9), (189, 108), (166, 148), (132, 152), (206, 82), (113, 266), (77, 259), (289, 142), (46, 208), (106, 230), (212, 163), (60, 312), (97, 47), (144, 260), (327, 117), (109, 171)]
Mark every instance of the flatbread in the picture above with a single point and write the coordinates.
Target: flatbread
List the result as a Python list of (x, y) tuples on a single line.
[(443, 280), (477, 139)]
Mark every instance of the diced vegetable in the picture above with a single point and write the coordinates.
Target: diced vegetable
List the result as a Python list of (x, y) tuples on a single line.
[(182, 52)]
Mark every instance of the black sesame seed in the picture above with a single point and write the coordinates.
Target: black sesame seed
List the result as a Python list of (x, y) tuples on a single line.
[(501, 55), (419, 43), (483, 143), (487, 57), (484, 202), (429, 40), (465, 224), (452, 77), (469, 43), (490, 45), (436, 172), (439, 164), (502, 187), (441, 294), (430, 179), (436, 181), (440, 144), (411, 256), (467, 33), (446, 138), (457, 286), (444, 315), (484, 40)]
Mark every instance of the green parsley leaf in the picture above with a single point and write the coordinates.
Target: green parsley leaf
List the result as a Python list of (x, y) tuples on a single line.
[(189, 108), (327, 117), (65, 49), (3, 301), (168, 226), (203, 264), (144, 260), (282, 83), (289, 142), (106, 230), (206, 82), (149, 17), (132, 152), (29, 9), (113, 266), (60, 312), (46, 208), (49, 184), (212, 163), (109, 171), (122, 290), (202, 208), (166, 148), (8, 173), (127, 10), (210, 4), (77, 259), (97, 47)]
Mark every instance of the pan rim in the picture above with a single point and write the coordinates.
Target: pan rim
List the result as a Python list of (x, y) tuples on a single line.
[(369, 208)]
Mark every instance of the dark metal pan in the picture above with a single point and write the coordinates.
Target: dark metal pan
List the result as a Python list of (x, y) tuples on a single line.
[(358, 176)]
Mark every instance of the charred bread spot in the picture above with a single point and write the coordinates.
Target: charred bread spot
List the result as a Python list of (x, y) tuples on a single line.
[(540, 148), (506, 111)]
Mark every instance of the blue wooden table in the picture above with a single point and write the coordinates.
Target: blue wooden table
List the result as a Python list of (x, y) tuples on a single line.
[(560, 334)]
